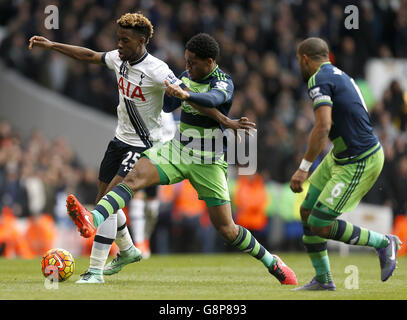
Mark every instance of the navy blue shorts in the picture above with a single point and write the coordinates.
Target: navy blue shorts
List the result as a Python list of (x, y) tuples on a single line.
[(119, 159)]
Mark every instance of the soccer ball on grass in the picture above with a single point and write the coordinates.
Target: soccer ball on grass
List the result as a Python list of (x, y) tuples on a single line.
[(57, 264)]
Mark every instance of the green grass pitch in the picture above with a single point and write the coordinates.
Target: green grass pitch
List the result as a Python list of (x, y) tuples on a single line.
[(233, 276)]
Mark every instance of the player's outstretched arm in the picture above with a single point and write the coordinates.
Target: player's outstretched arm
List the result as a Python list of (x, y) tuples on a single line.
[(209, 99), (78, 53), (235, 124), (243, 123)]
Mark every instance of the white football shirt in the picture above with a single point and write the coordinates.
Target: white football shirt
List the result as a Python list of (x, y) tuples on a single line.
[(169, 126), (141, 94)]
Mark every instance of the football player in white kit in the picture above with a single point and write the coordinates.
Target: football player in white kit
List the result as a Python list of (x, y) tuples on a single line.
[(140, 79)]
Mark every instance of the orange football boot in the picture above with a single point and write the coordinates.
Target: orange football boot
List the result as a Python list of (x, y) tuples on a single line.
[(283, 273), (80, 216)]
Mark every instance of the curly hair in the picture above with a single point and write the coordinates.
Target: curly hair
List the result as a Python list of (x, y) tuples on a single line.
[(204, 46), (137, 22)]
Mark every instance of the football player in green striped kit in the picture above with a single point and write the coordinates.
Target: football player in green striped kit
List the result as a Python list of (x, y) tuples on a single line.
[(196, 153), (346, 173)]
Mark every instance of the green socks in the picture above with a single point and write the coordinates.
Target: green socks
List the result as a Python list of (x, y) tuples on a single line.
[(98, 218), (114, 200), (341, 231), (317, 251), (247, 243), (348, 233)]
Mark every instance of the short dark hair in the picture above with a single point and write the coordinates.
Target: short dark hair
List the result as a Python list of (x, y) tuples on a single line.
[(204, 46), (315, 48)]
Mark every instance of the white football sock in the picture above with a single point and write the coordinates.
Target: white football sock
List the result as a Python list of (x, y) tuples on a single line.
[(151, 216), (105, 235), (123, 238), (137, 219)]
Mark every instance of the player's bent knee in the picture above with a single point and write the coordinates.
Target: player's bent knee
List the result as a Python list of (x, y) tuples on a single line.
[(305, 213), (318, 225), (320, 231), (135, 181)]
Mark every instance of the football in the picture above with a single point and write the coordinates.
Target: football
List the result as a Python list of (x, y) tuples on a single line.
[(57, 264)]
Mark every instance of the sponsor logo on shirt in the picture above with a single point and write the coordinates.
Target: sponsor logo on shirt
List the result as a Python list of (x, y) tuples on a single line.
[(221, 85)]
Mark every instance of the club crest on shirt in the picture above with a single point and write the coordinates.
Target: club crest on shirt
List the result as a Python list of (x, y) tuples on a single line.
[(142, 76)]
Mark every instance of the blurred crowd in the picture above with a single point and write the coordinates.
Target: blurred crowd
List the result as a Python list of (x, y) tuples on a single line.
[(258, 41), (36, 173)]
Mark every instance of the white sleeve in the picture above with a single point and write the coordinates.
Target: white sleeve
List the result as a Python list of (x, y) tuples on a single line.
[(165, 73), (108, 58)]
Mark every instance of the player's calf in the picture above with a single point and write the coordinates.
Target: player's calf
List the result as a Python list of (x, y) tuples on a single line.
[(228, 232)]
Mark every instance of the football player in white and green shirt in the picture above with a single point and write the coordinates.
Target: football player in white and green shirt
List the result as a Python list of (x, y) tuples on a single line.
[(196, 154)]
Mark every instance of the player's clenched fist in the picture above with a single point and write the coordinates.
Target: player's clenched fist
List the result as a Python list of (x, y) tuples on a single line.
[(297, 180), (39, 41), (175, 91)]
